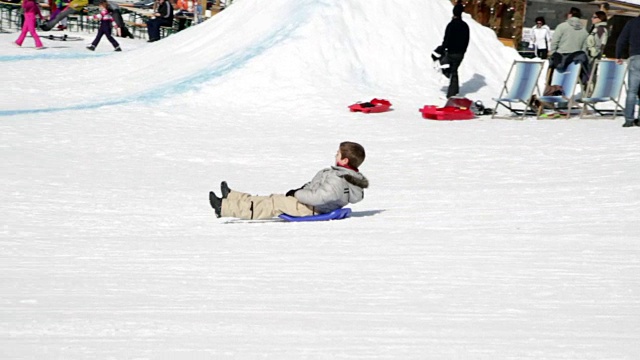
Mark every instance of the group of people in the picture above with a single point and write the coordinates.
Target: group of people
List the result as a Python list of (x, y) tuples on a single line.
[(570, 41), (106, 16), (341, 184), (571, 36), (109, 17)]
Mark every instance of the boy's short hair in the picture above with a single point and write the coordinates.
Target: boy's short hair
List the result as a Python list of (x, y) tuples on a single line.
[(575, 12), (354, 152)]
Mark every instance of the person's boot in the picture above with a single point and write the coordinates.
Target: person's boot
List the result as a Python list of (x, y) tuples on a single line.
[(117, 49), (216, 203), (629, 124), (91, 47), (224, 188), (636, 122)]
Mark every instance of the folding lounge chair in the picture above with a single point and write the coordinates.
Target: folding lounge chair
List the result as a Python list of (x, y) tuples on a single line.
[(609, 80), (522, 89), (568, 79)]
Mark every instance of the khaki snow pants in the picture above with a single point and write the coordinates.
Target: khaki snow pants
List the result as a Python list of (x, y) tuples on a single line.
[(245, 206)]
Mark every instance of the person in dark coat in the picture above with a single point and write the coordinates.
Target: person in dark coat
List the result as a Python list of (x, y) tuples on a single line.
[(630, 39), (163, 17), (456, 41), (121, 28)]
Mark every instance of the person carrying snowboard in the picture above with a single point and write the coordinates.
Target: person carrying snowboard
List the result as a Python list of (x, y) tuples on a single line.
[(330, 189), (455, 43)]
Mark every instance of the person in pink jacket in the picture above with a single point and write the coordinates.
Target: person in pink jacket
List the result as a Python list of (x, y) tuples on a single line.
[(105, 26), (31, 10)]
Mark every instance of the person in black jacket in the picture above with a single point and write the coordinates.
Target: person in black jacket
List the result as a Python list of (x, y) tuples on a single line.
[(456, 41), (163, 17)]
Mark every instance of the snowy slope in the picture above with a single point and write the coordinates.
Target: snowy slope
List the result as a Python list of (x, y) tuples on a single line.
[(483, 239), (383, 48)]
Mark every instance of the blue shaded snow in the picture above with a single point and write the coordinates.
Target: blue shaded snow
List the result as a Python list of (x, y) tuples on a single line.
[(45, 56), (228, 64)]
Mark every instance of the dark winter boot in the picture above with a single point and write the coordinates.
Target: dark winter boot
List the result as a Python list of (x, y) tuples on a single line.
[(117, 49), (224, 188), (216, 203), (628, 124), (91, 47)]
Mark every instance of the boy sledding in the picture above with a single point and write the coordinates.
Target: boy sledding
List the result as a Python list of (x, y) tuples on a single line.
[(330, 189)]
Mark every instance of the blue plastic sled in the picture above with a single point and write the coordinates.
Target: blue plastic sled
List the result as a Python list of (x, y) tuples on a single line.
[(338, 214)]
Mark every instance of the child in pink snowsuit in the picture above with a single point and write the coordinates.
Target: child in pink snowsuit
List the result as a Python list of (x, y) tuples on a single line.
[(31, 9)]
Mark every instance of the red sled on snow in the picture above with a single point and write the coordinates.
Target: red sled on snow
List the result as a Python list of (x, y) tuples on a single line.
[(455, 109), (433, 112), (373, 106)]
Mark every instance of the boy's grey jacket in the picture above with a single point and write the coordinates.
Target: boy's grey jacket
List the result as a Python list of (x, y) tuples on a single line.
[(333, 188)]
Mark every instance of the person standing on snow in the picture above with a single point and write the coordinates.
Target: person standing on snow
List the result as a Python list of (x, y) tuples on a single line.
[(455, 43), (541, 38), (597, 39), (571, 35), (31, 10), (105, 19), (630, 39), (569, 41)]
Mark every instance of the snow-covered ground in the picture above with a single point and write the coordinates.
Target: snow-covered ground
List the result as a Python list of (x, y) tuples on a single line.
[(483, 239)]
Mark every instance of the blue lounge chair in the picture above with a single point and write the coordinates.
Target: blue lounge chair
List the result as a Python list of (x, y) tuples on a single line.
[(522, 89), (569, 79), (607, 80)]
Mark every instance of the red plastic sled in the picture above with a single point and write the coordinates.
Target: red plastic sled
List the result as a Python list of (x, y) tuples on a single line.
[(433, 112), (456, 108), (373, 106)]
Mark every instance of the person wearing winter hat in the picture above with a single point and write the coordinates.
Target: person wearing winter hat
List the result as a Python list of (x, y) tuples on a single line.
[(455, 43)]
